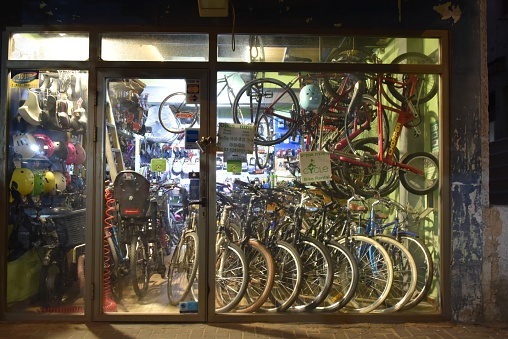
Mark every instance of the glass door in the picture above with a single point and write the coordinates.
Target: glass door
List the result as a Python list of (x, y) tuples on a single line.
[(47, 166), (152, 199)]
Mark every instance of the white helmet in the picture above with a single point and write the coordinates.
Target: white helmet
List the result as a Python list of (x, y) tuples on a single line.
[(60, 181), (25, 145)]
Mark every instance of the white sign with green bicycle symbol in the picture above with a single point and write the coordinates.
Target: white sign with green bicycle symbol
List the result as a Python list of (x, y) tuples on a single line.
[(315, 166)]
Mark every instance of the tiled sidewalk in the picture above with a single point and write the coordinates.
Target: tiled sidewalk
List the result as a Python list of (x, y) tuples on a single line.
[(249, 330)]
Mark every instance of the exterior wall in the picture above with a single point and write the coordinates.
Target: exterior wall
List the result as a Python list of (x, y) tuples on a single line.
[(479, 250), (495, 218)]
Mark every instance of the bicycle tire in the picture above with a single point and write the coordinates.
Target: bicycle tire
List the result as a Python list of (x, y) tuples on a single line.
[(261, 270), (139, 265), (368, 181), (349, 53), (427, 84), (405, 275), (231, 276), (341, 86), (375, 273), (117, 272), (420, 184), (255, 98), (51, 285), (172, 122), (261, 161), (183, 268), (318, 274), (424, 266), (345, 278), (288, 277)]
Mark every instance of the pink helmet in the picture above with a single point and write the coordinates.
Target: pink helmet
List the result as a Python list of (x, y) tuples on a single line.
[(46, 145), (71, 154), (80, 154)]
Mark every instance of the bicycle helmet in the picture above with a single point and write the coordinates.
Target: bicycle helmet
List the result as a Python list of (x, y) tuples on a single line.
[(60, 181), (38, 183), (22, 181), (45, 144), (30, 111), (310, 97), (71, 154), (61, 151), (25, 145), (80, 155), (49, 182)]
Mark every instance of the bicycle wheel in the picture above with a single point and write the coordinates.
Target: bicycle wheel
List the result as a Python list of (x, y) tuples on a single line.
[(175, 114), (288, 277), (427, 85), (404, 275), (183, 268), (231, 276), (375, 273), (118, 268), (420, 184), (367, 111), (262, 156), (51, 284), (261, 270), (345, 278), (272, 99), (317, 274), (424, 266), (380, 178), (139, 265), (261, 152)]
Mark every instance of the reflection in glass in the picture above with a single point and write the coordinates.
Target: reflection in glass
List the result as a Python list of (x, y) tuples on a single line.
[(154, 47), (369, 135), (150, 248), (47, 170), (312, 49), (49, 46)]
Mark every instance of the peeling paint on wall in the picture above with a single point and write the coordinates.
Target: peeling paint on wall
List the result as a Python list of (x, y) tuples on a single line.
[(449, 11)]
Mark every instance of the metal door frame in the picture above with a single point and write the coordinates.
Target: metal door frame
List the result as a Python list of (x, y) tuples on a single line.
[(203, 231)]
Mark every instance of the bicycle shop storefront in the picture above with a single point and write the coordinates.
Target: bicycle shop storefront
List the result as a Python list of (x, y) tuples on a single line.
[(223, 177)]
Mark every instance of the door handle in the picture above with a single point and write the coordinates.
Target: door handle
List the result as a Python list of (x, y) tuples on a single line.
[(201, 202), (204, 142)]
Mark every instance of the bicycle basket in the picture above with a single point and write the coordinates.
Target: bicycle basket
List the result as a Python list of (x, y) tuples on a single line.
[(132, 194), (70, 228)]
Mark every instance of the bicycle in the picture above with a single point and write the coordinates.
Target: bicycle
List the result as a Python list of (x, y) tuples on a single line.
[(410, 240), (371, 163), (138, 218), (345, 279), (317, 264), (288, 271), (171, 214), (183, 266), (266, 101), (231, 268), (375, 268), (260, 262)]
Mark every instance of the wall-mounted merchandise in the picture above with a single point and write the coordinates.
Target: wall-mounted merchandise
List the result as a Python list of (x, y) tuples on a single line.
[(48, 112)]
